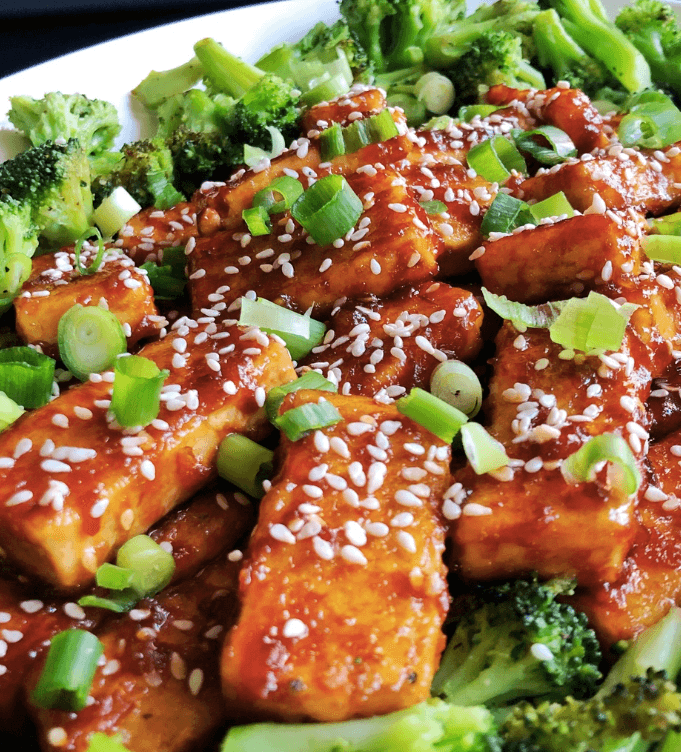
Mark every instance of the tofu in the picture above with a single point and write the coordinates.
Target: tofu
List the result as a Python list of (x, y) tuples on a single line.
[(434, 322), (664, 403), (78, 487), (365, 100), (55, 286), (151, 230), (369, 644), (158, 686), (392, 245)]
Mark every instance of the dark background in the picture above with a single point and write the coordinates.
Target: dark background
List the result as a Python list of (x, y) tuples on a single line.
[(32, 31)]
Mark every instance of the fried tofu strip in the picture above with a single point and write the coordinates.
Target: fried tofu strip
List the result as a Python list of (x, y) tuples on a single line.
[(371, 643), (650, 582), (344, 110), (433, 322), (526, 517), (391, 246), (55, 285), (151, 230), (74, 486), (664, 403), (560, 260), (158, 686)]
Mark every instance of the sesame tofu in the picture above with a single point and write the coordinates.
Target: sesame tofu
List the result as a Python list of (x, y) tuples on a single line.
[(560, 260), (151, 230), (343, 589), (360, 102), (74, 486), (158, 685), (55, 285), (664, 403), (391, 245), (434, 322)]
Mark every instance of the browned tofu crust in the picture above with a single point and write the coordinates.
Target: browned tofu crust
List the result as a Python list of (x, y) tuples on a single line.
[(343, 590), (150, 231)]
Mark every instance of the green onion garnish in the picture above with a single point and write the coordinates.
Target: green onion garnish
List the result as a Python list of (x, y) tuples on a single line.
[(555, 149), (244, 463), (457, 384), (582, 465), (114, 211), (495, 158), (310, 380), (258, 221), (469, 112), (300, 421), (119, 602), (26, 376), (668, 225), (653, 121), (137, 386), (433, 207), (330, 88), (505, 214), (113, 577), (168, 278), (300, 333), (336, 141), (97, 261), (328, 209), (253, 154), (9, 411), (90, 339), (332, 143), (483, 451), (279, 195), (437, 416), (554, 206), (664, 248), (68, 672), (100, 742), (436, 92), (536, 317)]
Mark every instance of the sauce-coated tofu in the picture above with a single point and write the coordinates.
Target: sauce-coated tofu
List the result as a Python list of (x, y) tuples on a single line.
[(343, 588), (74, 486), (151, 230)]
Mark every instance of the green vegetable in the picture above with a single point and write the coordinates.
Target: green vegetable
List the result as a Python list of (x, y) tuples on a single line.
[(168, 278), (483, 451), (244, 463), (580, 467), (434, 414), (137, 386), (300, 421), (456, 383), (309, 380), (26, 376), (160, 86)]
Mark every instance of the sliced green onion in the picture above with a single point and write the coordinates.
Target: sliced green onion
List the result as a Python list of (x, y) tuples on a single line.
[(536, 317), (258, 220), (668, 225), (243, 463), (115, 210), (436, 92), (336, 141), (97, 261), (137, 386), (664, 248), (168, 278), (557, 146), (434, 207), (9, 411), (651, 122), (554, 206), (505, 214), (415, 111), (330, 88), (469, 112), (437, 416), (100, 742), (90, 339), (439, 123), (582, 465), (279, 195), (495, 158), (483, 451), (67, 675), (328, 209), (300, 421), (26, 376), (118, 601), (310, 380), (332, 143), (113, 577), (457, 384), (152, 568), (300, 333), (253, 155)]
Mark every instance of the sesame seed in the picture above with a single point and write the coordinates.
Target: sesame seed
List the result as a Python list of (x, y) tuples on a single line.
[(323, 549), (148, 470), (31, 606), (282, 533), (353, 555), (99, 508), (541, 652), (294, 628), (56, 736), (321, 442), (74, 611), (195, 681), (407, 498), (476, 510), (355, 533), (412, 448), (406, 541), (59, 420), (19, 498)]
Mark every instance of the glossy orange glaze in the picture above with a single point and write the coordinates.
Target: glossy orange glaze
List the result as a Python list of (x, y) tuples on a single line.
[(665, 409), (147, 233), (367, 101)]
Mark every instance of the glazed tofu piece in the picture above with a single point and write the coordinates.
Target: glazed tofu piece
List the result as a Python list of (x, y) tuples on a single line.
[(391, 245), (543, 408), (560, 260), (363, 100), (343, 589), (664, 403), (74, 486), (433, 322), (650, 582), (158, 685), (55, 285), (147, 233)]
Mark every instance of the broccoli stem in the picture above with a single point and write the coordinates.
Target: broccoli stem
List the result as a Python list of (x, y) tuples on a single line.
[(554, 47), (158, 86), (226, 72), (444, 50)]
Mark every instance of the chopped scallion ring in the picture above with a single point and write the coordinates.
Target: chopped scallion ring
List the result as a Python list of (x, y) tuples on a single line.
[(97, 261), (505, 214), (483, 451), (9, 411), (90, 339), (436, 92), (653, 122), (582, 465), (495, 159), (667, 225), (664, 248), (26, 376), (557, 146), (331, 88), (152, 568), (118, 601), (554, 206), (332, 143), (536, 317), (310, 380), (244, 463), (457, 384), (279, 195), (437, 416), (253, 154), (469, 112), (336, 141), (328, 209), (137, 386), (300, 421), (100, 742), (113, 577), (67, 675), (258, 220), (434, 207), (114, 211)]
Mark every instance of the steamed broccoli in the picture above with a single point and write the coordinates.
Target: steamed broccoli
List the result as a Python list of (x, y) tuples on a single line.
[(94, 122), (53, 179), (517, 641), (400, 88), (18, 232), (159, 86), (430, 726), (651, 26)]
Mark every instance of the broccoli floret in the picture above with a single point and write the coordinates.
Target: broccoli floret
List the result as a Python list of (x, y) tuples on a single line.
[(194, 111), (94, 122), (400, 88), (146, 172), (18, 232), (53, 179), (517, 641), (651, 26), (161, 85), (430, 726), (202, 156), (494, 58)]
